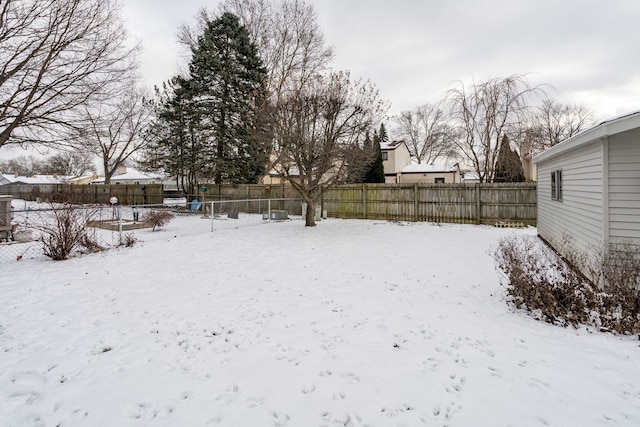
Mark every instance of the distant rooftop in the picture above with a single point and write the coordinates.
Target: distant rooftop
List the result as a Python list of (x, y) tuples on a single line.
[(392, 145), (429, 168)]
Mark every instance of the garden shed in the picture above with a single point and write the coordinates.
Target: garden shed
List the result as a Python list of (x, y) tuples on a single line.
[(589, 189)]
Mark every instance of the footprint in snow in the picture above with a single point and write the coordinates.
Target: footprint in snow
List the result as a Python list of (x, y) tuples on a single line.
[(308, 389), (392, 412), (495, 372), (279, 418), (252, 402), (351, 377), (229, 395)]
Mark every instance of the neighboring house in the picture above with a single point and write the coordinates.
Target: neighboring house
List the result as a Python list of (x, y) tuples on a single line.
[(275, 175), (276, 178), (82, 180), (399, 167), (278, 172), (470, 177), (13, 179), (126, 175), (395, 157), (430, 174), (589, 188)]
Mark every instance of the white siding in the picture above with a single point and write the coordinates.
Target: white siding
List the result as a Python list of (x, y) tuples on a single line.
[(579, 215), (624, 186)]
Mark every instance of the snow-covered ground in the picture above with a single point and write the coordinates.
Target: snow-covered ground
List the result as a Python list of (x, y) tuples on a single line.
[(351, 323)]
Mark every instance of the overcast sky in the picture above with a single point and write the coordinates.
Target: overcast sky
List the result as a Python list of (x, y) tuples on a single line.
[(588, 51), (413, 50)]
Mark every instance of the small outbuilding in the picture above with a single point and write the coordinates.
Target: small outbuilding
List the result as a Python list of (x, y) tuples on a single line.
[(589, 189), (439, 173)]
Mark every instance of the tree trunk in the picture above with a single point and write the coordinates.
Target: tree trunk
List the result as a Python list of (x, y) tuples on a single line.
[(311, 214), (107, 175)]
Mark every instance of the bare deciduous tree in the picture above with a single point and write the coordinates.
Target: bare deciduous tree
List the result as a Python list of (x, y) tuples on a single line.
[(63, 163), (55, 56), (21, 165), (71, 163), (316, 125), (554, 122), (427, 133), (115, 129), (483, 113)]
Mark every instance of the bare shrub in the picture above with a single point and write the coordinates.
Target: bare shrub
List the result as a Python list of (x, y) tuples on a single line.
[(66, 231), (539, 280), (157, 218), (620, 273), (128, 240), (91, 244)]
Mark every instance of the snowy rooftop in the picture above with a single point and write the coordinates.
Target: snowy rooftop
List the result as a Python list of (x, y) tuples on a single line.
[(34, 179), (392, 145), (130, 175), (429, 168)]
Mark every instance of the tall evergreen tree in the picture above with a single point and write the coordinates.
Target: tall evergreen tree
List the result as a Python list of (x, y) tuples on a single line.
[(227, 85), (368, 144), (175, 145), (382, 134), (214, 123), (508, 165), (375, 172)]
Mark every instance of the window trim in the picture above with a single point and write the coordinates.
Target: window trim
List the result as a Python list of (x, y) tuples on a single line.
[(556, 185)]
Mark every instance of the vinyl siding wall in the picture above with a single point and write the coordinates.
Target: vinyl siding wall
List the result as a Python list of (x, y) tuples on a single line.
[(624, 186), (579, 215)]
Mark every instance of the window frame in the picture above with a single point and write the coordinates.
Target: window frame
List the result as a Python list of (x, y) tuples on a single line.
[(556, 185)]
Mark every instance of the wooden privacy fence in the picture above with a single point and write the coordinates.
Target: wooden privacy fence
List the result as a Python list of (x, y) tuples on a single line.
[(87, 194), (452, 203), (447, 203)]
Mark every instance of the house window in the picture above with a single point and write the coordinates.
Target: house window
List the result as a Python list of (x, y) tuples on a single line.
[(385, 155), (556, 185), (439, 181)]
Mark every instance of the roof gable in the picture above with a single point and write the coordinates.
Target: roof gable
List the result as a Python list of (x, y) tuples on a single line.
[(392, 145)]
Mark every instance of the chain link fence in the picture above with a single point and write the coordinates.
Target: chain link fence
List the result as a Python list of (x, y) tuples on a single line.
[(112, 226)]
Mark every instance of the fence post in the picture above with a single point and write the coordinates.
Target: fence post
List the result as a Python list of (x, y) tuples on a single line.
[(415, 202), (269, 211), (212, 216), (119, 222), (478, 207), (364, 201)]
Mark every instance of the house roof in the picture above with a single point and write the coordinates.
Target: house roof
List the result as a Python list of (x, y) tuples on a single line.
[(392, 145), (130, 175), (601, 130), (429, 168), (293, 171), (470, 176), (34, 179)]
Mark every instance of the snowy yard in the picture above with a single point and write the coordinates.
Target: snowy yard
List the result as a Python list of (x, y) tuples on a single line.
[(352, 323)]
